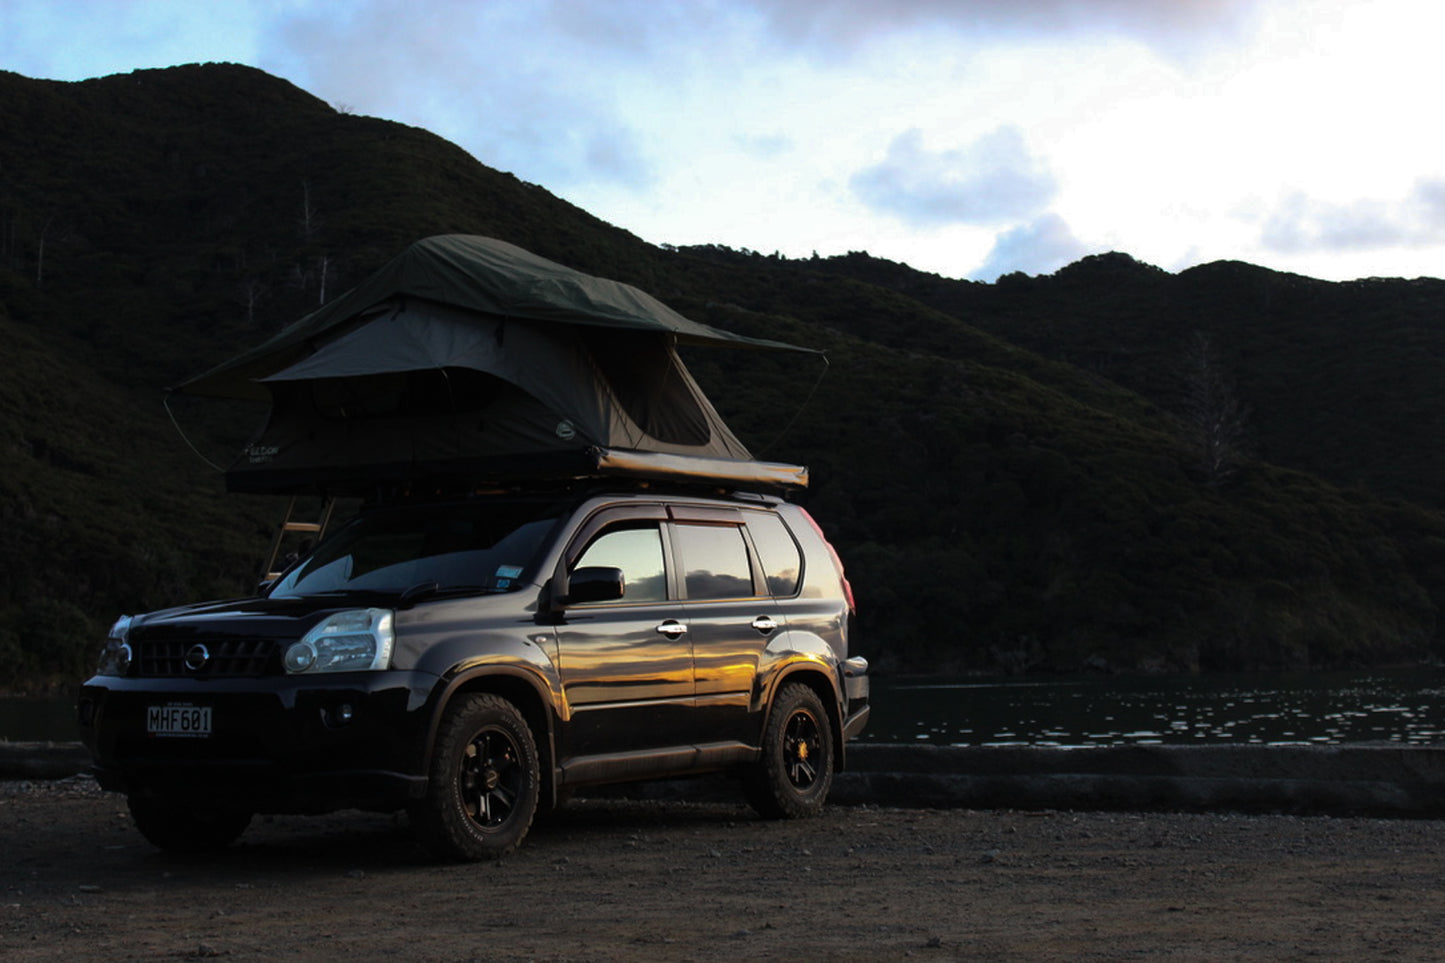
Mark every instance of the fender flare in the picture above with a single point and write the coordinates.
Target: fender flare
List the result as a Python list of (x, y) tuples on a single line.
[(822, 677), (505, 679)]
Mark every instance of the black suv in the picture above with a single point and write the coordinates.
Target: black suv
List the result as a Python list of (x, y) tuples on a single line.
[(473, 661)]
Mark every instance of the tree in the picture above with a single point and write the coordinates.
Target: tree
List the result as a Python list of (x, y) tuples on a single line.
[(49, 231), (308, 224), (249, 292), (324, 271), (1215, 420)]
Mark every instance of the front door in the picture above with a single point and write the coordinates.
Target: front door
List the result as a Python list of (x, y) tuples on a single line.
[(626, 666)]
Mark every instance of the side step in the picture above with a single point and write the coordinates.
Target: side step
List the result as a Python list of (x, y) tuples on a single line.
[(289, 525)]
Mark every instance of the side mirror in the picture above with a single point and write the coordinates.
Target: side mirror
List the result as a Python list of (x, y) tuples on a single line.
[(595, 583)]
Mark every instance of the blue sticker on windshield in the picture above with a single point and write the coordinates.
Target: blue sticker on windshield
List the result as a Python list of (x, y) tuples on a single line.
[(508, 571)]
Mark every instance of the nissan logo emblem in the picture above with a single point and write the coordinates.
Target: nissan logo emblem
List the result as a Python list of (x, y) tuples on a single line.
[(196, 657)]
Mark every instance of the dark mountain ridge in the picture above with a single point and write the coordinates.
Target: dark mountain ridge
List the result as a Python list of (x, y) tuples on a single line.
[(1003, 467), (1342, 379)]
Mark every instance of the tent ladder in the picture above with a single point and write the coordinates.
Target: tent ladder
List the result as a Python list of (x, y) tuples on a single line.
[(289, 525)]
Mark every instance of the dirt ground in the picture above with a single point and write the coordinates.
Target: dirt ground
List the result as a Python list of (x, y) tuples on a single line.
[(634, 880)]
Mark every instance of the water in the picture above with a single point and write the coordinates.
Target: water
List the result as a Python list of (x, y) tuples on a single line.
[(1404, 707)]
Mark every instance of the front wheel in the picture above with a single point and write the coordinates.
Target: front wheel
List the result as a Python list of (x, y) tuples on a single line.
[(482, 789), (185, 828), (792, 778)]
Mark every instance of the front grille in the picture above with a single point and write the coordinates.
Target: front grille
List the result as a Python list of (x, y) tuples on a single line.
[(226, 658)]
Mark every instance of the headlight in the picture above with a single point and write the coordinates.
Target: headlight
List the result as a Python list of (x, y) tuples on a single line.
[(115, 658), (358, 640)]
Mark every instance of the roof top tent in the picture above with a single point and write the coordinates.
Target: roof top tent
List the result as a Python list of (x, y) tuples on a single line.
[(470, 359)]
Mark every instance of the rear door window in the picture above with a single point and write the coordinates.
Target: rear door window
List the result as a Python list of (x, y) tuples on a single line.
[(715, 562)]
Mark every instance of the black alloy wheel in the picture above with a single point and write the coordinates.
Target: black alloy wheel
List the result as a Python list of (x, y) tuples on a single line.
[(484, 784), (802, 749), (793, 777), (491, 777)]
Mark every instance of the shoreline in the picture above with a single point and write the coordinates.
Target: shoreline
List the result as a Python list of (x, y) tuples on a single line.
[(1358, 779)]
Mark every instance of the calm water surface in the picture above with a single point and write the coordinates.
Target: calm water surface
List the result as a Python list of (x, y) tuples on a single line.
[(1397, 706), (1406, 707)]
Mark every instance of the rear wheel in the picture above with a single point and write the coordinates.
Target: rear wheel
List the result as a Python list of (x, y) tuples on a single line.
[(793, 777), (184, 827), (483, 787)]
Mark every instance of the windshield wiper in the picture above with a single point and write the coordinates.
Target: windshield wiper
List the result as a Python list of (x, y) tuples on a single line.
[(434, 589), (418, 591)]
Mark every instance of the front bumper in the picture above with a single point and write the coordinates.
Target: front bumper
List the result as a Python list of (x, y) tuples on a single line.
[(276, 744)]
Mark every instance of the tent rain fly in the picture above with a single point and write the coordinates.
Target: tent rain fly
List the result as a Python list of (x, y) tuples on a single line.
[(467, 357)]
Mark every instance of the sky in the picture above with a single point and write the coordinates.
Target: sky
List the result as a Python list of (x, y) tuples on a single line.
[(970, 138)]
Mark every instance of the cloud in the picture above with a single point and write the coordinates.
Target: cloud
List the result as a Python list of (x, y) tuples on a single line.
[(1172, 26), (575, 94), (516, 86), (993, 180), (1302, 224), (763, 146), (1039, 247)]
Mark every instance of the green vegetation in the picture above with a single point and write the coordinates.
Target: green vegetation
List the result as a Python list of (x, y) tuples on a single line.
[(1009, 470)]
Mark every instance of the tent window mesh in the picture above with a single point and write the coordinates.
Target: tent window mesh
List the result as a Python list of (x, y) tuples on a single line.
[(406, 393)]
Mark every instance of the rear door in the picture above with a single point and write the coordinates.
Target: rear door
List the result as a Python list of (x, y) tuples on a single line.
[(730, 616)]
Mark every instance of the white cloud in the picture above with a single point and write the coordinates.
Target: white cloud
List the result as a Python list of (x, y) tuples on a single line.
[(766, 146), (993, 180), (1175, 26), (1302, 224), (1039, 247)]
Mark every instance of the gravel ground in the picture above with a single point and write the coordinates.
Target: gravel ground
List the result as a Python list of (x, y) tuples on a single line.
[(618, 879)]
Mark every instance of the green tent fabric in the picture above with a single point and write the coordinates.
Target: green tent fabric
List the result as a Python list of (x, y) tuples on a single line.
[(469, 358), (478, 274)]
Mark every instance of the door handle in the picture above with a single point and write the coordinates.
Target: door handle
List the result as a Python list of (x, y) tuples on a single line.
[(764, 624), (672, 628)]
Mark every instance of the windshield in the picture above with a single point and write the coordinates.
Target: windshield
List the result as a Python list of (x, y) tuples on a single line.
[(475, 546)]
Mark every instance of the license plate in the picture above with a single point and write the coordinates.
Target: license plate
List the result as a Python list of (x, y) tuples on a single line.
[(185, 722)]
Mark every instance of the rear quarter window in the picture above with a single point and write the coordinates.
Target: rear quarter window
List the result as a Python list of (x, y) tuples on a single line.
[(779, 553)]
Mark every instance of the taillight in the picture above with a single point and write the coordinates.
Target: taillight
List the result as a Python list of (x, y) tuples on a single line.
[(837, 562)]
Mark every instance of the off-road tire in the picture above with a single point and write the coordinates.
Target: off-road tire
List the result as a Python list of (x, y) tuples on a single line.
[(483, 783), (792, 778)]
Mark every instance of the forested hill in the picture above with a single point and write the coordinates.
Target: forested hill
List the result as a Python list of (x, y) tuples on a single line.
[(1340, 379), (1109, 469)]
